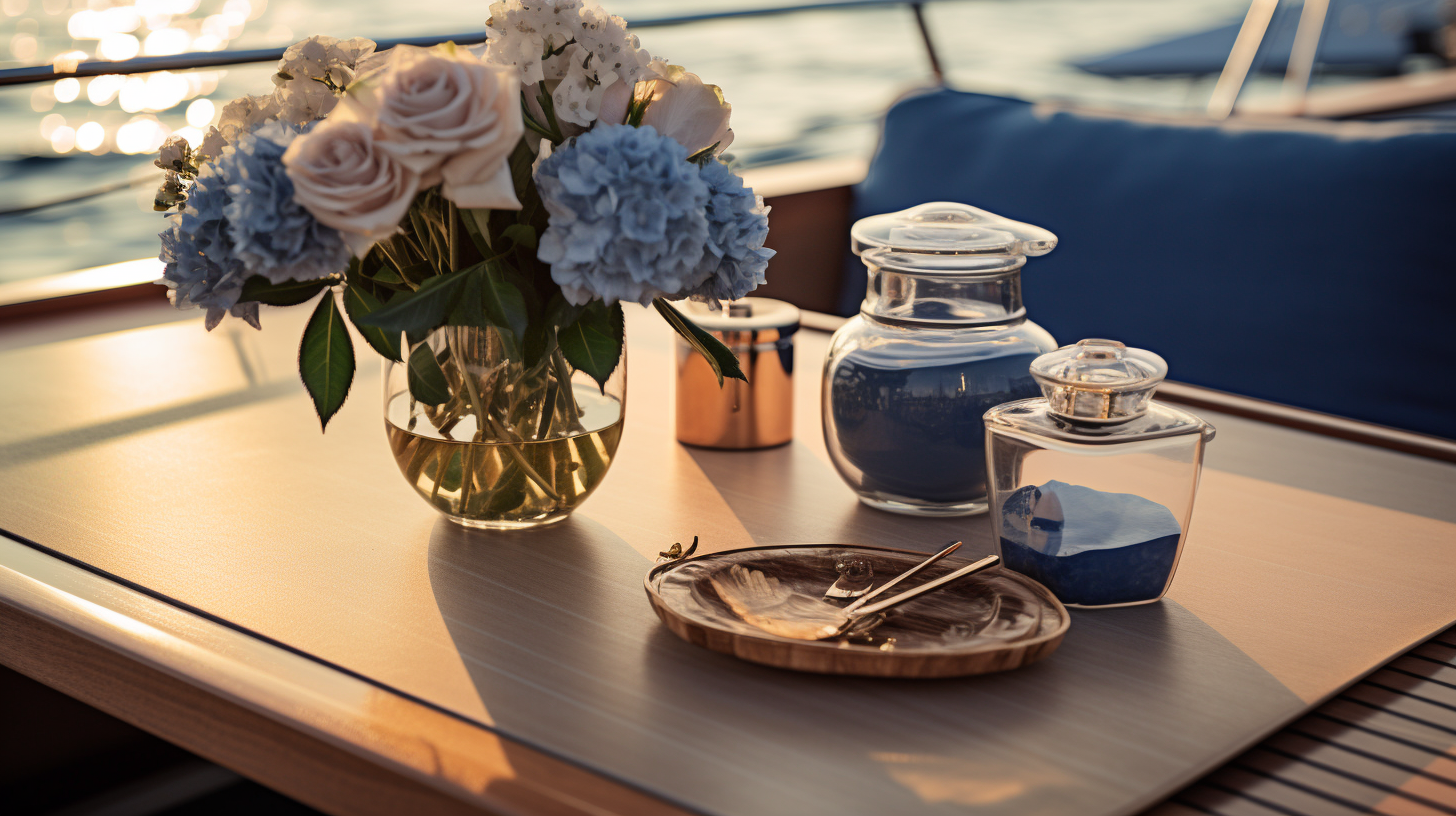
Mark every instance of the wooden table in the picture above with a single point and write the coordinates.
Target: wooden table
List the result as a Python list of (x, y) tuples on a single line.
[(183, 549)]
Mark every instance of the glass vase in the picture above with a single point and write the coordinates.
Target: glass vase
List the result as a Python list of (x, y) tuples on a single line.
[(517, 444)]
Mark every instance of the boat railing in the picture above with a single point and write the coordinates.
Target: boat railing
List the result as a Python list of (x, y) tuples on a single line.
[(128, 280), (62, 69)]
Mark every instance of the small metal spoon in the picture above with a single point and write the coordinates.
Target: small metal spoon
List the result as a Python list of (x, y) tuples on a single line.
[(880, 590), (760, 601)]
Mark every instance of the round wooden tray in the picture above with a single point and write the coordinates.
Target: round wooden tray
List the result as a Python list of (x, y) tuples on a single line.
[(959, 630)]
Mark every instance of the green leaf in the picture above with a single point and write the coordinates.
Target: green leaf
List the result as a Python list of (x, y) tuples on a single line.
[(417, 313), (326, 359), (426, 379), (477, 223), (559, 312), (492, 298), (522, 234), (360, 304), (540, 337), (540, 340), (723, 362), (417, 272), (593, 342), (504, 305), (288, 293), (702, 157), (385, 274), (467, 308), (412, 268), (636, 110), (428, 239)]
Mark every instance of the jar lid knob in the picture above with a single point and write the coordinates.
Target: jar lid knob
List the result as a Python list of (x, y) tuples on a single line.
[(1099, 381)]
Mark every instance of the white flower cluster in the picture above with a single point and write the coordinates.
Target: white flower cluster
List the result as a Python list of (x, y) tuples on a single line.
[(314, 73), (178, 160), (574, 47), (242, 115), (311, 77)]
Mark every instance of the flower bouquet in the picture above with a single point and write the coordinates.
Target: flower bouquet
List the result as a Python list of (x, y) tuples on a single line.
[(481, 214)]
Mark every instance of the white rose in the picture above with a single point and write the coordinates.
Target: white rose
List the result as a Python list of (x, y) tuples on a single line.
[(301, 101), (448, 117), (246, 114), (615, 99), (341, 176), (692, 113)]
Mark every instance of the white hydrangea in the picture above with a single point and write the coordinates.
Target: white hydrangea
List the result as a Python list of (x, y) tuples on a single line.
[(311, 77), (242, 115), (314, 73), (573, 46), (175, 156), (324, 56)]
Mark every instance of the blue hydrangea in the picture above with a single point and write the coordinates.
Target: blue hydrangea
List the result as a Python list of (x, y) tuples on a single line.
[(272, 234), (628, 217), (201, 269), (735, 260)]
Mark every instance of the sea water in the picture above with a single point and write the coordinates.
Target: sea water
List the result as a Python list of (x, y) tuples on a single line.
[(803, 86)]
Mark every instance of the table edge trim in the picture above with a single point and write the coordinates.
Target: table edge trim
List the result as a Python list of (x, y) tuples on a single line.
[(220, 667)]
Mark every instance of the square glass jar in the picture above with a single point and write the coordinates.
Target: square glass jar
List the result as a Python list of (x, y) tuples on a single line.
[(1092, 486)]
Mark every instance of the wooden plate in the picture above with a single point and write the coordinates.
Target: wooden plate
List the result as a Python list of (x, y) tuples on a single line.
[(987, 622)]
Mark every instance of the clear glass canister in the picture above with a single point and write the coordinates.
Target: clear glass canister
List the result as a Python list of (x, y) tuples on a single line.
[(941, 337), (1092, 485)]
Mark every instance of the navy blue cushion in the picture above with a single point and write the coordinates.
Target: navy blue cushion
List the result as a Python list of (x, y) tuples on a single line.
[(1309, 264)]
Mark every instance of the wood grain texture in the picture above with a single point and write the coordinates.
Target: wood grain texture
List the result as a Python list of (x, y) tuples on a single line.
[(1395, 758), (936, 636), (193, 468), (324, 738), (317, 774)]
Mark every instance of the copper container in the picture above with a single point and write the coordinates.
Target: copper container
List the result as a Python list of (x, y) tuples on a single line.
[(740, 416)]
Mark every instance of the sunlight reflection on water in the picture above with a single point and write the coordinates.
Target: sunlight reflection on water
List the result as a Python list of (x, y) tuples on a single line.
[(802, 86)]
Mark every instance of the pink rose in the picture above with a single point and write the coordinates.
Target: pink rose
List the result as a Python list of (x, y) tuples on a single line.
[(341, 176), (448, 117)]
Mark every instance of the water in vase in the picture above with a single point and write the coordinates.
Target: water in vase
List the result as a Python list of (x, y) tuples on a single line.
[(516, 484)]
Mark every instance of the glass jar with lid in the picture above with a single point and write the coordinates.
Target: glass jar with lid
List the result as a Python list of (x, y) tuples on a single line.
[(941, 337), (1092, 484)]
